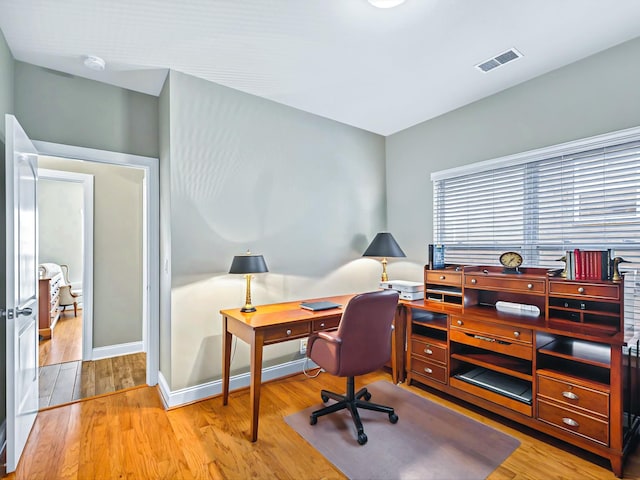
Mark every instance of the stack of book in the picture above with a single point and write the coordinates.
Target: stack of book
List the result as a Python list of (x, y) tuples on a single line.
[(436, 257), (589, 264)]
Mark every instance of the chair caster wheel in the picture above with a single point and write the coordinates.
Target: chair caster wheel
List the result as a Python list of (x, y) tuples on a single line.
[(362, 438), (313, 420), (325, 399), (393, 418), (367, 396)]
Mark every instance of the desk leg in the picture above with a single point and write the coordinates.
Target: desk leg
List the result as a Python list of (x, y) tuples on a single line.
[(257, 344), (226, 360)]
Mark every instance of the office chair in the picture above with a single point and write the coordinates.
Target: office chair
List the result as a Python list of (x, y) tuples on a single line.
[(361, 344)]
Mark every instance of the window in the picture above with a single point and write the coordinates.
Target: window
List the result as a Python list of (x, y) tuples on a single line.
[(583, 194)]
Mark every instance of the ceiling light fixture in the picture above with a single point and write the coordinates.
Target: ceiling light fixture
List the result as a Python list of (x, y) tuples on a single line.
[(386, 3), (94, 63)]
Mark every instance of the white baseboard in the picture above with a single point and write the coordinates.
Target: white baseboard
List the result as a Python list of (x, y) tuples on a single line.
[(117, 350), (183, 396)]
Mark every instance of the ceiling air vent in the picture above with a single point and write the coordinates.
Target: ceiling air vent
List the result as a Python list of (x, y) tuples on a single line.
[(499, 60)]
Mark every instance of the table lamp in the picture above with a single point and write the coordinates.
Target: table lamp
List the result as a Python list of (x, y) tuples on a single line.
[(384, 245), (248, 264)]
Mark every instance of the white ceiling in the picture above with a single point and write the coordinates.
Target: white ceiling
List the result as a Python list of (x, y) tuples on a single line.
[(382, 70)]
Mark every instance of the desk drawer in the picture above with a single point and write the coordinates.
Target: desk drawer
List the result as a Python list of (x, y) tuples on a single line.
[(573, 395), (506, 332), (325, 324), (426, 369), (429, 351), (286, 332), (491, 343), (581, 289), (444, 277), (574, 422), (500, 284)]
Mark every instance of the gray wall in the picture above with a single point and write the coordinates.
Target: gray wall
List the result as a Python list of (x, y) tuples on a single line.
[(60, 108), (117, 249), (60, 220), (6, 106), (6, 81), (248, 173), (593, 96)]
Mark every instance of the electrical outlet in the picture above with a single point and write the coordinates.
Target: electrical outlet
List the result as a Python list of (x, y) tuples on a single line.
[(303, 345)]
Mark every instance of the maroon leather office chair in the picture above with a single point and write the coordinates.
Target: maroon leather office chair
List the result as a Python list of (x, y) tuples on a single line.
[(362, 344)]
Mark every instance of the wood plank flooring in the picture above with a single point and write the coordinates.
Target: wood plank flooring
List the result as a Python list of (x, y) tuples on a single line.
[(71, 381), (130, 435), (65, 345), (64, 377)]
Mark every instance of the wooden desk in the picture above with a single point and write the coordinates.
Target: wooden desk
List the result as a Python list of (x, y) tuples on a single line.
[(281, 322)]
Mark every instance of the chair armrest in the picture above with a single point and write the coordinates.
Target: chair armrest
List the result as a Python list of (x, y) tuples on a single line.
[(329, 337)]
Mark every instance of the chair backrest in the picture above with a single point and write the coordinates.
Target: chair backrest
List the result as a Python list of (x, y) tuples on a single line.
[(365, 332)]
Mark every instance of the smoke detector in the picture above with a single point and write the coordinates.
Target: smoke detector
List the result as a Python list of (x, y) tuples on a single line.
[(499, 60), (94, 63)]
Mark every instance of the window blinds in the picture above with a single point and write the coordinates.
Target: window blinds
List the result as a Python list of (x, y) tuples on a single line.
[(585, 198)]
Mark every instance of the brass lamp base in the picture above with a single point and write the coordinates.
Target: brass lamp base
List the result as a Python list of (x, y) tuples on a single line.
[(385, 277), (248, 308)]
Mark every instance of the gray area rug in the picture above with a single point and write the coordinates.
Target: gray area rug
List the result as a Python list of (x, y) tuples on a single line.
[(428, 442)]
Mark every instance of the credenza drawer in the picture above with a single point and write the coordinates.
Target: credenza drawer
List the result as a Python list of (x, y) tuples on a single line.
[(574, 422), (325, 324), (491, 343), (444, 277), (506, 332), (583, 289), (281, 333), (574, 396), (500, 284), (426, 369), (428, 350)]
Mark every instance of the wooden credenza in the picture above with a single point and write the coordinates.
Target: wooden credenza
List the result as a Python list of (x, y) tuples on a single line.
[(48, 303), (564, 363)]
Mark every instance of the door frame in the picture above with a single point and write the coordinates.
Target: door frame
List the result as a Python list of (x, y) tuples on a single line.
[(86, 181), (151, 236)]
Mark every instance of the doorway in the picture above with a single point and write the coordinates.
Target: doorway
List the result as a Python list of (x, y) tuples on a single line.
[(97, 344)]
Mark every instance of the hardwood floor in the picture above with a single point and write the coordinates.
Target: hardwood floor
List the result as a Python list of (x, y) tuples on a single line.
[(64, 377), (130, 435), (65, 345)]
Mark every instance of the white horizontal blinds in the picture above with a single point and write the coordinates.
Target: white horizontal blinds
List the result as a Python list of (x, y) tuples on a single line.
[(587, 199), (478, 215)]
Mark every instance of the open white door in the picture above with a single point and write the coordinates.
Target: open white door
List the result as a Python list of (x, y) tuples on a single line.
[(21, 304)]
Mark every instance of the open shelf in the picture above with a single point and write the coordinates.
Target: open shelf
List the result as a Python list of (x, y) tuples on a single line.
[(496, 362), (588, 353), (429, 319)]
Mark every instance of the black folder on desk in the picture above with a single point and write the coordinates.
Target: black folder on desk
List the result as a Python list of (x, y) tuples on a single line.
[(315, 306)]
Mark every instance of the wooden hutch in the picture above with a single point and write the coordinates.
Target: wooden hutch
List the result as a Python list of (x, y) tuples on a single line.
[(549, 353)]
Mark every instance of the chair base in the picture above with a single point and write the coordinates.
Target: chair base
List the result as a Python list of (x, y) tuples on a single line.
[(352, 401)]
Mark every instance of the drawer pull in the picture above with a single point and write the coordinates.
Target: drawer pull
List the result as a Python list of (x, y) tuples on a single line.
[(486, 339), (474, 281), (288, 332), (442, 277), (460, 322), (581, 290), (322, 325), (570, 421), (570, 395), (428, 351), (516, 334), (529, 286), (428, 370)]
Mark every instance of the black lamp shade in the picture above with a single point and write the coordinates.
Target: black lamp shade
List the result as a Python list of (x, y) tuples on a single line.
[(384, 245), (248, 264)]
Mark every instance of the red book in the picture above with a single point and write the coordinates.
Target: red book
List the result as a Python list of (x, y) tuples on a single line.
[(578, 263)]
